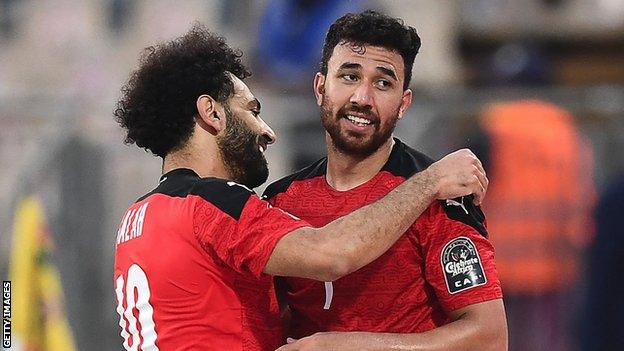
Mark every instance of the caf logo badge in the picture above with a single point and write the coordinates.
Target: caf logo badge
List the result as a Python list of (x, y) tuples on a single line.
[(462, 265)]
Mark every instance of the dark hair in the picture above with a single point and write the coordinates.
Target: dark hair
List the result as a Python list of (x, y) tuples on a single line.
[(158, 104), (373, 28)]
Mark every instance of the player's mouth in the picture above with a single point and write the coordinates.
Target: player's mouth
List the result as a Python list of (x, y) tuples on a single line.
[(359, 121), (263, 143)]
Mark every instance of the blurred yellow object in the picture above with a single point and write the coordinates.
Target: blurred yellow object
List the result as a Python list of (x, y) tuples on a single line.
[(39, 320)]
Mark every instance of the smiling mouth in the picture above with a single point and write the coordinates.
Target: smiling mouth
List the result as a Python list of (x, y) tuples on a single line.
[(263, 144), (358, 121)]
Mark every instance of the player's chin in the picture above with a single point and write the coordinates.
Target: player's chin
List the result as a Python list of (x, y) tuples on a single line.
[(257, 175), (352, 142), (357, 141)]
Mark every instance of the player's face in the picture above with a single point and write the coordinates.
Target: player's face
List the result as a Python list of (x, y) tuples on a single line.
[(246, 137), (362, 97)]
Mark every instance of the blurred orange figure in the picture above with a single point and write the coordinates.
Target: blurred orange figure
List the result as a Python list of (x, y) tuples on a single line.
[(538, 205)]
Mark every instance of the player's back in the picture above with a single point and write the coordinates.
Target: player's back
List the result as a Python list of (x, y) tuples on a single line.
[(174, 289)]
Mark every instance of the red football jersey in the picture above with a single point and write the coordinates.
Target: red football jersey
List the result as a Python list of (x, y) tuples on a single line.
[(188, 267), (442, 263)]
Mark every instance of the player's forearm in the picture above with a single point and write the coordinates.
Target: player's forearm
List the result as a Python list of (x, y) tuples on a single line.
[(365, 234), (482, 327), (456, 336), (353, 241)]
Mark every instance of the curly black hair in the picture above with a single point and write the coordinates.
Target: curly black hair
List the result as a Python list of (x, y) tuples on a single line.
[(373, 28), (158, 104)]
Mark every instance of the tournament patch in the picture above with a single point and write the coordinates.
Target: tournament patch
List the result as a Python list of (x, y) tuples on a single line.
[(462, 265)]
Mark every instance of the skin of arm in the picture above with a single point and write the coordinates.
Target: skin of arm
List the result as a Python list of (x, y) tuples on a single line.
[(477, 327), (351, 242)]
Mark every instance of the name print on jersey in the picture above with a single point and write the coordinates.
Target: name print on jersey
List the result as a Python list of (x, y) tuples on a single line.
[(132, 224)]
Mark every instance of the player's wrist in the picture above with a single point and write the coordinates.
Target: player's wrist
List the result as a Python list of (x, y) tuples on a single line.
[(432, 183)]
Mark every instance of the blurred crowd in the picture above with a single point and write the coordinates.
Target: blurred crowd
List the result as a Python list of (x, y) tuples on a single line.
[(535, 88)]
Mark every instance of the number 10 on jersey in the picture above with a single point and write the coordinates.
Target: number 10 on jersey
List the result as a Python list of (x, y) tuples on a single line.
[(135, 285)]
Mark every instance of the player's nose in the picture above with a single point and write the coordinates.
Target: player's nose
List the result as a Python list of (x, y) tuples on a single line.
[(363, 95), (267, 132)]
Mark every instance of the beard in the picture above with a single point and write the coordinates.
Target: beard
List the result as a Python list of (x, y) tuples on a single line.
[(238, 147), (352, 143)]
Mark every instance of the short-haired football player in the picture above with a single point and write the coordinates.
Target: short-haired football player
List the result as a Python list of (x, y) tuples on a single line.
[(437, 287)]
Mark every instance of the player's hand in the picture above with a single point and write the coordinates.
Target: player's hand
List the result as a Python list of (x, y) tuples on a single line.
[(330, 341), (459, 174)]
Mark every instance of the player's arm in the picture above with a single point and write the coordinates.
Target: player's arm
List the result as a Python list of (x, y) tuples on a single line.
[(352, 241), (480, 326)]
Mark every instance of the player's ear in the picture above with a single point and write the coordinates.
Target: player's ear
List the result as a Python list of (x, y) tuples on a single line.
[(406, 102), (319, 87), (209, 114)]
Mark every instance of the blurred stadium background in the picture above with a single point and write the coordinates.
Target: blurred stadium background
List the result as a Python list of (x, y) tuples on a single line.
[(535, 86)]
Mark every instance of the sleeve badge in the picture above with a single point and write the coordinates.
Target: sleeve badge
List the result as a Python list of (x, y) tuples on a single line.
[(462, 265)]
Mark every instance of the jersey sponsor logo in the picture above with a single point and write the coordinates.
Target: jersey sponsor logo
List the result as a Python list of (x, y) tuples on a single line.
[(230, 183), (285, 212), (451, 202), (462, 265)]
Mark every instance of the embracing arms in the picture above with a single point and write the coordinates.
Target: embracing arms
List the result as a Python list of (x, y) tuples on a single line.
[(352, 241)]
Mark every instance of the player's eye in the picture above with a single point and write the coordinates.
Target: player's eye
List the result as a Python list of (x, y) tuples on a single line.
[(384, 84), (349, 77), (255, 113)]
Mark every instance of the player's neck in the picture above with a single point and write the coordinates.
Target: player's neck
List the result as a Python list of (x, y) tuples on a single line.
[(199, 158), (345, 171)]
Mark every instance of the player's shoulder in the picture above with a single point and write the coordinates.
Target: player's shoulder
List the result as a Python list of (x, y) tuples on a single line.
[(405, 161), (316, 169), (229, 196), (175, 183), (462, 210)]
